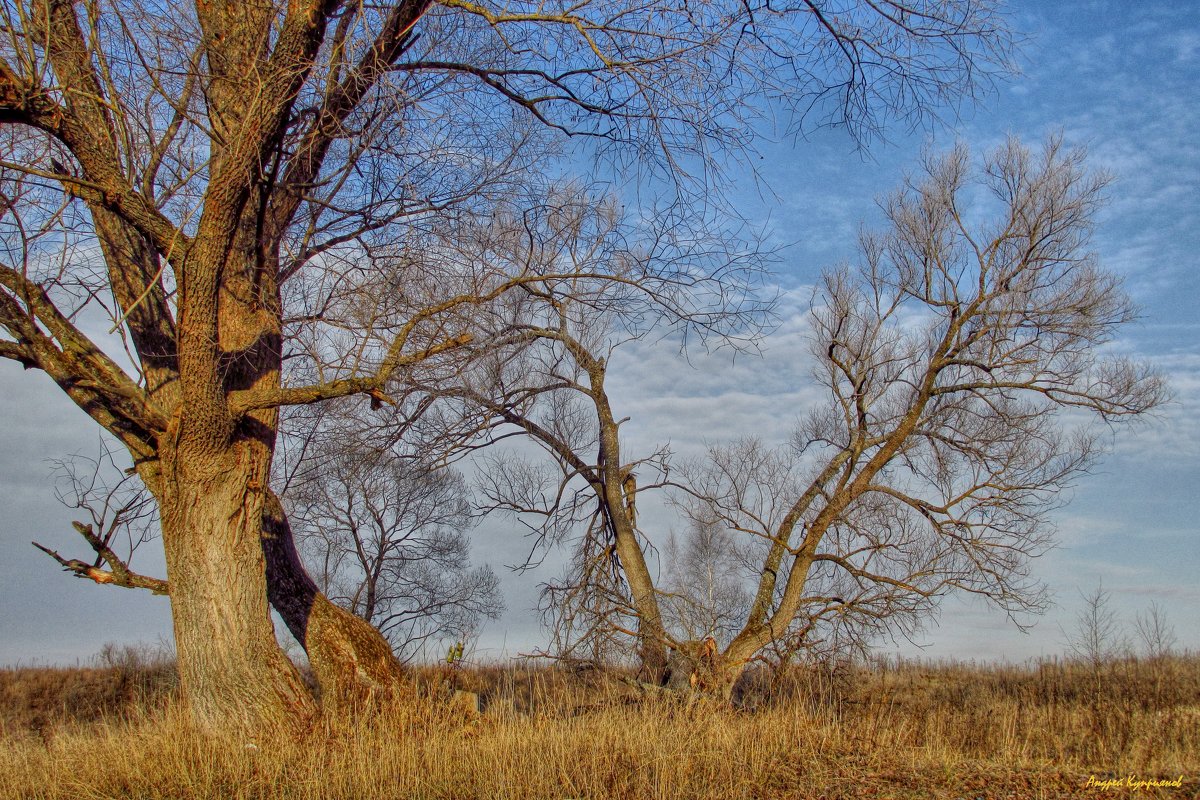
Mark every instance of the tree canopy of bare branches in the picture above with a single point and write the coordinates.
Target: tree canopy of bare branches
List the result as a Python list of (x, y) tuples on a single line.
[(385, 536), (969, 385), (213, 175)]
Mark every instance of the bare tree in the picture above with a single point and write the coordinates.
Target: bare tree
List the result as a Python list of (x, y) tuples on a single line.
[(963, 359), (544, 380), (1156, 633), (386, 538), (704, 593), (1098, 636), (211, 173)]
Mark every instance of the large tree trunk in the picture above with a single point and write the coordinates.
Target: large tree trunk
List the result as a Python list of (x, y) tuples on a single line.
[(350, 658), (652, 636), (651, 633), (232, 670), (226, 538)]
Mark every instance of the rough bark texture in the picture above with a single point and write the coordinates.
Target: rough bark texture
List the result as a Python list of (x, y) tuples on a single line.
[(652, 636), (699, 668), (231, 669), (350, 658)]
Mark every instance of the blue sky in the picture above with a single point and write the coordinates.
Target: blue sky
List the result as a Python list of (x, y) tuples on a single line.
[(1119, 78)]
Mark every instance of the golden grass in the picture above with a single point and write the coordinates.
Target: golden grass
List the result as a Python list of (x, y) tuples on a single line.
[(916, 732)]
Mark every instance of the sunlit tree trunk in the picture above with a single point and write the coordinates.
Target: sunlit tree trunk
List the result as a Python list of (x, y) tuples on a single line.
[(652, 636), (350, 658), (231, 668)]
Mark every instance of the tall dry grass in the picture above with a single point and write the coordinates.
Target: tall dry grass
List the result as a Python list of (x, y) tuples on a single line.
[(836, 732)]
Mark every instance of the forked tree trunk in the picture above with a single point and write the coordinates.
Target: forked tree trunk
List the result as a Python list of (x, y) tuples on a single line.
[(232, 671)]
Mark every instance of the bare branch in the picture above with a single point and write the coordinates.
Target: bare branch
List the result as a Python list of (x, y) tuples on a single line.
[(118, 573)]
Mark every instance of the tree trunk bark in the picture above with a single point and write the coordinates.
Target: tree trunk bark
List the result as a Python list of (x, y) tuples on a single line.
[(226, 538), (697, 668), (652, 636), (231, 668), (350, 658)]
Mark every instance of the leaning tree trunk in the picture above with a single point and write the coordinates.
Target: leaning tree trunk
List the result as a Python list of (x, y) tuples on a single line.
[(350, 658), (231, 668), (651, 633)]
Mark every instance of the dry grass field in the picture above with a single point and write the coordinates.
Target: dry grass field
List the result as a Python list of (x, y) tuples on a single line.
[(914, 731)]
